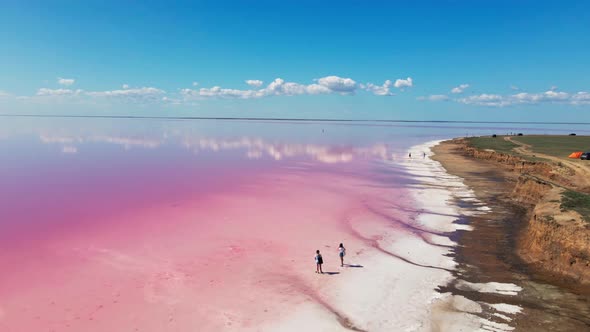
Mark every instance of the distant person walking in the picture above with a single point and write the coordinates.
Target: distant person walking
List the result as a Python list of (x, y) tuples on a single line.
[(410, 155), (341, 253), (318, 262), (424, 154)]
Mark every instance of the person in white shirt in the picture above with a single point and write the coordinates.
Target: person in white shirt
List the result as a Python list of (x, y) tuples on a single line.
[(341, 253)]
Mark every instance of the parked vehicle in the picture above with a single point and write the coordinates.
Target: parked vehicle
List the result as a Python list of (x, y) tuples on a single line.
[(585, 156)]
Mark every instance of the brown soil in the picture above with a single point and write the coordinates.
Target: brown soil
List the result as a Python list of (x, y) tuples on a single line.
[(552, 240), (493, 250)]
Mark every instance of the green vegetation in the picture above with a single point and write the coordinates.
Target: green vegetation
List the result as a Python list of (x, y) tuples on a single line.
[(498, 144), (558, 146), (579, 202)]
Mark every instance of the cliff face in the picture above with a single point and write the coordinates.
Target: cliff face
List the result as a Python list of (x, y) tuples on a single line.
[(529, 190), (546, 170), (553, 240), (559, 246)]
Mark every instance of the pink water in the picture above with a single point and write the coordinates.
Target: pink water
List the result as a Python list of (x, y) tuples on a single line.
[(172, 228)]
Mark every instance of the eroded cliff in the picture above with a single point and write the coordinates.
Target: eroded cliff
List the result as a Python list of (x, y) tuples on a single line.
[(553, 239)]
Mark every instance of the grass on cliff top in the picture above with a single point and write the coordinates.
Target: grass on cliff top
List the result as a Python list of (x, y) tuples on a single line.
[(498, 144), (558, 146), (579, 202)]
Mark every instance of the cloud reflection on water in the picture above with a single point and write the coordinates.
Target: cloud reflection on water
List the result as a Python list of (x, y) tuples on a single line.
[(254, 148), (126, 142)]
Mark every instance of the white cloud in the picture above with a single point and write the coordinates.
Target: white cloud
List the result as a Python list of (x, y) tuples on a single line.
[(401, 83), (254, 83), (145, 94), (45, 92), (65, 81), (514, 87), (581, 98), (434, 98), (484, 100), (380, 90), (278, 87), (316, 89), (217, 91), (553, 88), (532, 98), (195, 83), (460, 88), (4, 94), (338, 84), (139, 95), (524, 98)]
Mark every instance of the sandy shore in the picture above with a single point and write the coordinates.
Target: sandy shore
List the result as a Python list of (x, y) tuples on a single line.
[(488, 252)]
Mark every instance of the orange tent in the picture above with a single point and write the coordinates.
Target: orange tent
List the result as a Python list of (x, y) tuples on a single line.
[(575, 155)]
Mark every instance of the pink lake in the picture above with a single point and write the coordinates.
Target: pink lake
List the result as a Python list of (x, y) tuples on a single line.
[(154, 225)]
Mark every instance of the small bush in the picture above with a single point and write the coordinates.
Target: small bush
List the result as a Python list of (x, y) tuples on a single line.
[(576, 201)]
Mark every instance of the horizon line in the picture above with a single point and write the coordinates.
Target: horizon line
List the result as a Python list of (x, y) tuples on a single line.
[(278, 119)]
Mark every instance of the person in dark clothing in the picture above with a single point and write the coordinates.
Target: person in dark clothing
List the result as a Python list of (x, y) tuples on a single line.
[(318, 262)]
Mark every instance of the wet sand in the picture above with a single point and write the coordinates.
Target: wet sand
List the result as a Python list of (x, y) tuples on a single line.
[(488, 252)]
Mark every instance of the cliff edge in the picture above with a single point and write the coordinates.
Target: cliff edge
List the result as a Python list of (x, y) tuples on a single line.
[(556, 234)]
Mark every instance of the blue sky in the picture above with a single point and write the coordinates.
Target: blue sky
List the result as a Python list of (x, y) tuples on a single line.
[(509, 61)]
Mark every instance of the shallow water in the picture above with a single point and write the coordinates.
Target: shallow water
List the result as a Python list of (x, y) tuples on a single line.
[(151, 225)]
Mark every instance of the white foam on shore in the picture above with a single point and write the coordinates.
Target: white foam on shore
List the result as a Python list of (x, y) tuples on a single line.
[(489, 287), (488, 325), (507, 308), (506, 318), (438, 193)]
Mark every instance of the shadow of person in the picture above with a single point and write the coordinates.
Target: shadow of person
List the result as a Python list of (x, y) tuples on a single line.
[(353, 265), (331, 273)]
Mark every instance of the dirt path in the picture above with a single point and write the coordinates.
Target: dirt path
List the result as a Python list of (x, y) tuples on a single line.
[(582, 172)]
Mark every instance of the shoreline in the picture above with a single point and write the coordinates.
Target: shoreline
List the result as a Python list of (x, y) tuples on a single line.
[(490, 250), (493, 309), (406, 256), (408, 267)]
